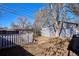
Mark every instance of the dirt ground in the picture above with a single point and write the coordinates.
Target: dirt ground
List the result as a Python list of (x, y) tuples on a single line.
[(42, 46), (49, 47)]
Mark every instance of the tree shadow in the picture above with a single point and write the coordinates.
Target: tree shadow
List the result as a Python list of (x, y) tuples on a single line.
[(15, 50), (74, 45)]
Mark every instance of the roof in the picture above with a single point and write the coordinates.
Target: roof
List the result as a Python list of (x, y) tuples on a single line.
[(65, 22), (16, 29)]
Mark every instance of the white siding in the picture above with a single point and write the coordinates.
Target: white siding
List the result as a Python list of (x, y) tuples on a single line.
[(69, 32), (46, 32), (28, 37)]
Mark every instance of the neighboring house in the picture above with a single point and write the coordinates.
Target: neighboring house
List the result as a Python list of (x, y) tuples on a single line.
[(66, 32), (46, 32)]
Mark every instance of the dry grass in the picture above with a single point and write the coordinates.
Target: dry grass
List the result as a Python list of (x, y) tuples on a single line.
[(49, 47)]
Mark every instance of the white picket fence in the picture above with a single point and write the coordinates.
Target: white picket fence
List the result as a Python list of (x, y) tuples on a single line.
[(10, 40)]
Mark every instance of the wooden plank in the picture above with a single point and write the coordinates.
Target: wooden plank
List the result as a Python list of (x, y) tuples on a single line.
[(11, 40), (17, 39), (6, 41), (14, 40), (0, 41), (20, 38)]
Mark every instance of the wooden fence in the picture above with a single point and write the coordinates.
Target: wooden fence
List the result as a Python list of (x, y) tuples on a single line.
[(9, 40)]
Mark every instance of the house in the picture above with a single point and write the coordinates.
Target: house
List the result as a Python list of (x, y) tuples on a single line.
[(45, 31), (68, 30)]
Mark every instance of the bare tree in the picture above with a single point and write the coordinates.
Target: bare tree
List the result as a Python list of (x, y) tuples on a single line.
[(59, 25), (21, 23), (54, 16), (40, 18), (14, 26), (57, 13), (75, 8)]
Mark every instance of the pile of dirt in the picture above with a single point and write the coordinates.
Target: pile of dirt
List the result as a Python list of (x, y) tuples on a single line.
[(57, 47)]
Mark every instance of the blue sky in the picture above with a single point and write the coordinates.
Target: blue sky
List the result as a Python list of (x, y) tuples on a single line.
[(22, 9)]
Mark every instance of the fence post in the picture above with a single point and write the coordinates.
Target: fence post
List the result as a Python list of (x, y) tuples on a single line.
[(6, 41)]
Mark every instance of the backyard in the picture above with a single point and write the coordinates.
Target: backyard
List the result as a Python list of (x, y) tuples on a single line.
[(39, 29), (41, 47)]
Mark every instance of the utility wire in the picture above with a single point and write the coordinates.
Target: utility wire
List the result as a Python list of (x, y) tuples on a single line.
[(8, 10)]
